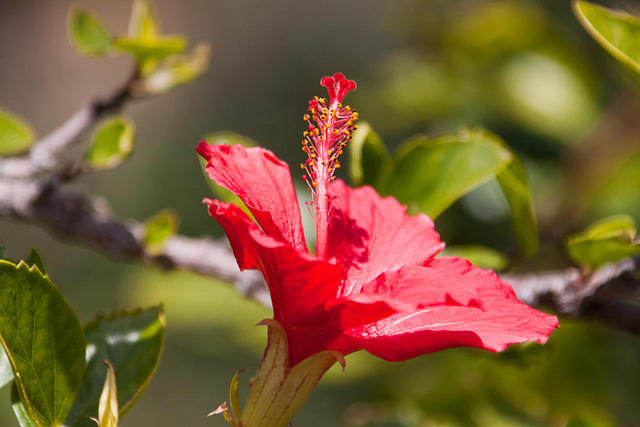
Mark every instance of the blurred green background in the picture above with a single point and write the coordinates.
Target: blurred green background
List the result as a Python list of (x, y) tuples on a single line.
[(525, 70)]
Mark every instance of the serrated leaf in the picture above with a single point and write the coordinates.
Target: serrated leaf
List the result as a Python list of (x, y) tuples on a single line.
[(228, 138), (608, 240), (158, 228), (368, 156), (132, 343), (178, 70), (87, 34), (430, 174), (143, 22), (480, 256), (16, 136), (112, 143), (108, 407), (514, 182), (618, 32), (43, 340), (35, 259)]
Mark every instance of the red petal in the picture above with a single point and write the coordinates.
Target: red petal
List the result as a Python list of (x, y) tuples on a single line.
[(502, 321), (369, 235), (263, 182), (414, 288)]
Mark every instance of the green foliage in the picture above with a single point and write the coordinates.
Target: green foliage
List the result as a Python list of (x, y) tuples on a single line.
[(144, 40), (618, 32), (368, 156), (87, 34), (16, 136), (228, 138), (480, 256), (515, 185), (43, 340), (132, 343), (431, 174), (178, 70), (108, 408), (608, 240), (35, 260), (112, 143), (159, 227)]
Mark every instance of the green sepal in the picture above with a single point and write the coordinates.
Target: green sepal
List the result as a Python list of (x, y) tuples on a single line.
[(607, 240), (279, 390), (16, 135)]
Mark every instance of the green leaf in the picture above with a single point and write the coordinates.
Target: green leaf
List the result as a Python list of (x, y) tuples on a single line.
[(608, 240), (178, 70), (16, 136), (514, 182), (36, 260), (152, 49), (228, 138), (159, 227), (430, 174), (368, 156), (108, 408), (132, 343), (18, 408), (87, 34), (143, 23), (112, 143), (42, 338), (618, 32), (480, 256)]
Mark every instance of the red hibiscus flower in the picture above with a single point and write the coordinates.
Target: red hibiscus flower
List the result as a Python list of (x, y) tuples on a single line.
[(374, 282)]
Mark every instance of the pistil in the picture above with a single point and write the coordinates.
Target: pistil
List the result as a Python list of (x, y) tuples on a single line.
[(329, 129)]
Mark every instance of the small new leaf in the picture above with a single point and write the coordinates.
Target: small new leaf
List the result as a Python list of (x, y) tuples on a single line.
[(158, 228), (608, 240), (132, 342), (16, 136), (112, 143), (178, 70), (87, 34)]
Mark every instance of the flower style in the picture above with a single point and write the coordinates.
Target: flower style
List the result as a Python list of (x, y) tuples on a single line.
[(374, 282)]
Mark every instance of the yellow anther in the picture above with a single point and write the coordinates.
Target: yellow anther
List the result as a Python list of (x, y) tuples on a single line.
[(313, 156), (336, 132), (316, 132), (339, 151), (305, 117), (314, 183), (349, 123), (329, 151), (301, 165), (305, 133), (355, 126)]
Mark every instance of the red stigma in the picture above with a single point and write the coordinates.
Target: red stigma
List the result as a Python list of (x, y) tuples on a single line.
[(337, 86)]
